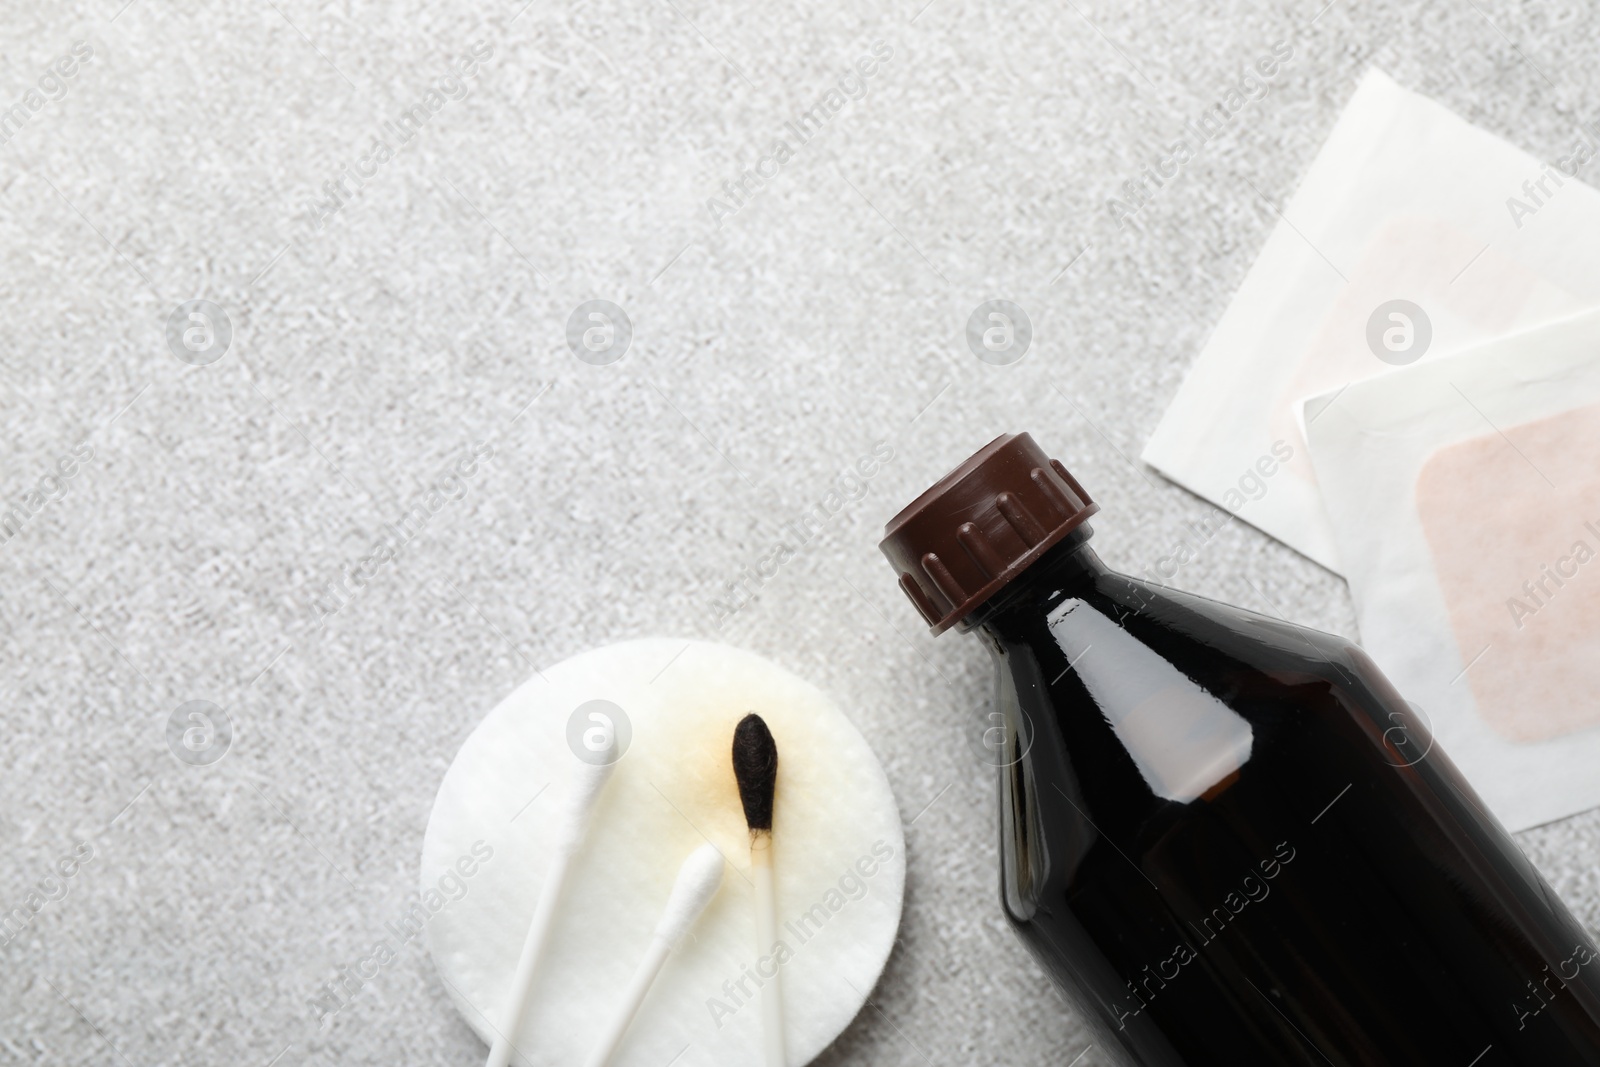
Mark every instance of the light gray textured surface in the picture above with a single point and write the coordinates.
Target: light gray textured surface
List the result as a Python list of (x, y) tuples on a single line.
[(182, 561)]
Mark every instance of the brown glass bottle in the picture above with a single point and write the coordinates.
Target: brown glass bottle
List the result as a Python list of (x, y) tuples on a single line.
[(1226, 835)]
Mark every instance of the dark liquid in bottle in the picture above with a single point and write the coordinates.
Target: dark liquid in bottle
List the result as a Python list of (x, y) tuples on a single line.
[(1337, 895)]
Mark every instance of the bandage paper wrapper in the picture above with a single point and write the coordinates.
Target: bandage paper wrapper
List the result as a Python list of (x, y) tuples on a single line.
[(1464, 494), (839, 859), (1405, 201)]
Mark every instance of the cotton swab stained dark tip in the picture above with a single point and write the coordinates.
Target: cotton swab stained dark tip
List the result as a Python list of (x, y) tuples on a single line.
[(755, 769)]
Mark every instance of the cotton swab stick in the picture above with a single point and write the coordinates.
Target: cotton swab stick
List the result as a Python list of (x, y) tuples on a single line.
[(572, 822), (755, 768), (698, 881)]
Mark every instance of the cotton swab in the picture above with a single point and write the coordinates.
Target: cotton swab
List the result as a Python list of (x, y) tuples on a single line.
[(698, 881), (573, 822), (755, 768)]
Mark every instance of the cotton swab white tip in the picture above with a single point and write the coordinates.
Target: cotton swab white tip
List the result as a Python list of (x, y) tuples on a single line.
[(582, 793), (572, 821), (698, 881)]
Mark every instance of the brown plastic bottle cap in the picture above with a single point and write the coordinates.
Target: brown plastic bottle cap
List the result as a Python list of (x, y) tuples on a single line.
[(981, 525)]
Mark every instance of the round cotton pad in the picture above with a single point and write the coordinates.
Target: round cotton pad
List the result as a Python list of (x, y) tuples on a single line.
[(839, 857)]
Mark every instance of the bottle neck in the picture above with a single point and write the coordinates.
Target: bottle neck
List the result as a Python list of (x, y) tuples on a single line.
[(1066, 568)]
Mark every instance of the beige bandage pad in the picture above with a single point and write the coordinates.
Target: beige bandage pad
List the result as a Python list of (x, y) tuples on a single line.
[(1513, 521)]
